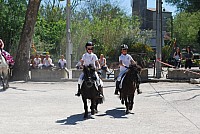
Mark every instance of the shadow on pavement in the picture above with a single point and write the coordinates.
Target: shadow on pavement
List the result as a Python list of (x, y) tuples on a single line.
[(116, 113), (72, 120)]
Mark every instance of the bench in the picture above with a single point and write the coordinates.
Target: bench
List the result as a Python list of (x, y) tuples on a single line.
[(182, 74), (48, 74)]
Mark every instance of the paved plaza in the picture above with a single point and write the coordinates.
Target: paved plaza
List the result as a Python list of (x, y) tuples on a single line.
[(52, 108)]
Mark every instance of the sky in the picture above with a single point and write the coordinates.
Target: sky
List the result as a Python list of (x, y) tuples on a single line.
[(126, 4)]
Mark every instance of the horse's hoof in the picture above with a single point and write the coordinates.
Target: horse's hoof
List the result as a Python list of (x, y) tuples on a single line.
[(122, 101), (93, 112), (131, 107)]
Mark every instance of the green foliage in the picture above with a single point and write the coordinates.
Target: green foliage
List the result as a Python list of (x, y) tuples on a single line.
[(50, 29), (186, 5), (166, 52), (12, 14), (186, 27)]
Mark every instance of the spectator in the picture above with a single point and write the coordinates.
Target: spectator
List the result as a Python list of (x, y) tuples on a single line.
[(47, 62), (177, 57), (103, 64), (62, 63), (188, 58), (37, 62), (78, 65)]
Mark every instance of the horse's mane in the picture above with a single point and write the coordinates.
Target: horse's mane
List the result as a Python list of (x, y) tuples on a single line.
[(133, 71)]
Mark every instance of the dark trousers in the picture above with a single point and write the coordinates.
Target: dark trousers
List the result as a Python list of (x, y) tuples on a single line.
[(188, 63)]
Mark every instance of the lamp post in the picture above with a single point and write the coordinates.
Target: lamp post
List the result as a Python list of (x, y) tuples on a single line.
[(158, 37), (68, 35)]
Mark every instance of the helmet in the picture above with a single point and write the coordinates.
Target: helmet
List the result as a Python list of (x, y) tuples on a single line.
[(124, 46), (88, 44)]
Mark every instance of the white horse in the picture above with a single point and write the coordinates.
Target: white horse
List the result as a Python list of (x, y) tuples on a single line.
[(4, 71)]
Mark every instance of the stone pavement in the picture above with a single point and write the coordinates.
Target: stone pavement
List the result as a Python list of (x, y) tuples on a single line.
[(52, 108)]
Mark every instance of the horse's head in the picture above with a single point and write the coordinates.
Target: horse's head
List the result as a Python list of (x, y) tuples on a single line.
[(89, 75), (134, 70)]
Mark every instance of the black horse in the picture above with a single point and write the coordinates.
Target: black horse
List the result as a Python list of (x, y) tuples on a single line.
[(89, 90), (129, 85)]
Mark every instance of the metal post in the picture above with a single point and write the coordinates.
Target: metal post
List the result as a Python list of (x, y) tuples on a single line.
[(172, 27), (68, 35), (158, 37)]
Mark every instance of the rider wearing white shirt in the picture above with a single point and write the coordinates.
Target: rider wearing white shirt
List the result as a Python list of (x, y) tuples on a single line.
[(89, 58), (125, 60)]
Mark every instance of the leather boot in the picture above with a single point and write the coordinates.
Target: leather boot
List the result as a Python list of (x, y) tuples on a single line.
[(117, 88), (79, 91)]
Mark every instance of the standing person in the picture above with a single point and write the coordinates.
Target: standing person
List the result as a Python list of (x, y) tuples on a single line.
[(178, 57), (89, 58), (188, 57), (125, 60), (62, 63)]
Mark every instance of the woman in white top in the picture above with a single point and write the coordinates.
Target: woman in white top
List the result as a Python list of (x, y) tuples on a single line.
[(177, 57), (102, 62), (89, 58)]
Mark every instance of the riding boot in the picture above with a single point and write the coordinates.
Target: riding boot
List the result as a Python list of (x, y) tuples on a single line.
[(100, 90), (79, 91), (117, 87)]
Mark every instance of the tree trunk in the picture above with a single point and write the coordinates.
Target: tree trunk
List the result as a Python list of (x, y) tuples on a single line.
[(21, 67)]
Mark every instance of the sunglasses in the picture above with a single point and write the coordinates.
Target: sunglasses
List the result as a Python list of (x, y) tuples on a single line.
[(89, 48), (124, 49)]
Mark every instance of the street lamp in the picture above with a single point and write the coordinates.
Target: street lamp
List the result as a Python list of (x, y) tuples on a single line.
[(158, 37), (68, 35)]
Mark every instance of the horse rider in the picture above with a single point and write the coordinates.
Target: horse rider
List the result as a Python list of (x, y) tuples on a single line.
[(125, 60), (89, 58), (6, 55)]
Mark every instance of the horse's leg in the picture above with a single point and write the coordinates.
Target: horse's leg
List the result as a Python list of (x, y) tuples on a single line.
[(92, 107), (126, 104), (131, 102), (85, 107), (6, 77)]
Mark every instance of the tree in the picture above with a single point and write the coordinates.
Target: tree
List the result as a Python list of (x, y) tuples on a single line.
[(186, 5), (21, 67), (186, 26), (12, 14)]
